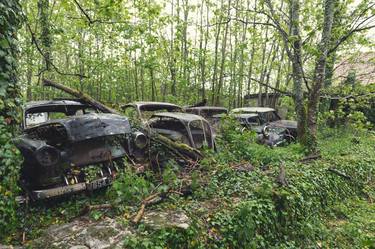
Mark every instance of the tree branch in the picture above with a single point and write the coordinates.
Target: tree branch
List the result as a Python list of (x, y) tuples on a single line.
[(267, 85), (35, 42), (347, 36), (90, 20), (84, 12)]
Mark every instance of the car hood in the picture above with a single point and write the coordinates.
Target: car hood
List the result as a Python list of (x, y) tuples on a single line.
[(290, 124), (89, 126)]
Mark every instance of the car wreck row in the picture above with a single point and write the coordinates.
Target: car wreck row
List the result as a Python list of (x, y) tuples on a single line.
[(63, 141)]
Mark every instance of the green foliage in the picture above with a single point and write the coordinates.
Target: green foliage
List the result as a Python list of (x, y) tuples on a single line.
[(353, 108), (232, 208), (263, 215), (352, 223), (163, 238), (9, 116), (129, 188), (9, 170), (287, 103)]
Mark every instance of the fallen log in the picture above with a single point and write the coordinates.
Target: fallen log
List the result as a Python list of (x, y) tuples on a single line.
[(80, 95), (146, 202), (310, 158), (339, 173), (157, 198), (183, 151)]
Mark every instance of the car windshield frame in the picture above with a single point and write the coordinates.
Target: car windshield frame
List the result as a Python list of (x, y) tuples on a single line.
[(204, 126), (47, 110)]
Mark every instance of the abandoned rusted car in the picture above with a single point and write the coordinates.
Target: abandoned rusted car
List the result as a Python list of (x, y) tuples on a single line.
[(268, 116), (212, 114), (69, 146), (266, 133), (186, 128), (144, 110), (171, 121)]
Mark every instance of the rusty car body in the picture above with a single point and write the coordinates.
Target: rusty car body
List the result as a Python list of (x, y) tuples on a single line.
[(190, 129), (144, 110), (63, 138), (270, 118), (171, 121), (266, 134)]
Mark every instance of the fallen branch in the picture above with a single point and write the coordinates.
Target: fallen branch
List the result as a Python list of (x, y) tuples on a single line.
[(183, 151), (146, 202), (310, 158), (339, 173), (157, 198), (80, 95)]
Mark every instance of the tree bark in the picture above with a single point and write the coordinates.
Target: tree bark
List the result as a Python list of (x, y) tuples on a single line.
[(214, 74), (297, 70), (319, 76), (250, 69), (45, 36)]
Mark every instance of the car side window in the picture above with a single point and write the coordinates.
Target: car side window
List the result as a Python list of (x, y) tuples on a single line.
[(272, 116), (253, 121)]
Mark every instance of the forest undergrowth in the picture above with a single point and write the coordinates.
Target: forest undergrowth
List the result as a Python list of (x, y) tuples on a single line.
[(244, 196)]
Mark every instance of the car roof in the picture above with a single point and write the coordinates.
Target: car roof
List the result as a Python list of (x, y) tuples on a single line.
[(33, 104), (253, 109), (245, 115), (179, 115), (142, 103), (207, 108)]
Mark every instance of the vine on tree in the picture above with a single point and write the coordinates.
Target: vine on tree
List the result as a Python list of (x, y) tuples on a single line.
[(10, 101)]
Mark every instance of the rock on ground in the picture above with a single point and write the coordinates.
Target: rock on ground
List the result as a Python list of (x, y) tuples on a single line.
[(106, 233)]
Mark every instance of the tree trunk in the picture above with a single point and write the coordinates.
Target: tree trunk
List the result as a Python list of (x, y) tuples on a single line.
[(297, 70), (250, 69), (45, 36), (319, 76), (152, 81), (214, 74), (263, 70), (172, 59), (223, 55), (242, 59)]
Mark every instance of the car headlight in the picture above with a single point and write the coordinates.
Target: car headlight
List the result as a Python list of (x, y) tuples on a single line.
[(47, 155), (266, 131), (140, 140)]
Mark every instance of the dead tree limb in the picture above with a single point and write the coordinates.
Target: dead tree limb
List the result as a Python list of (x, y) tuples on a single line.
[(80, 95), (339, 173), (310, 158), (184, 151), (146, 202), (157, 198)]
